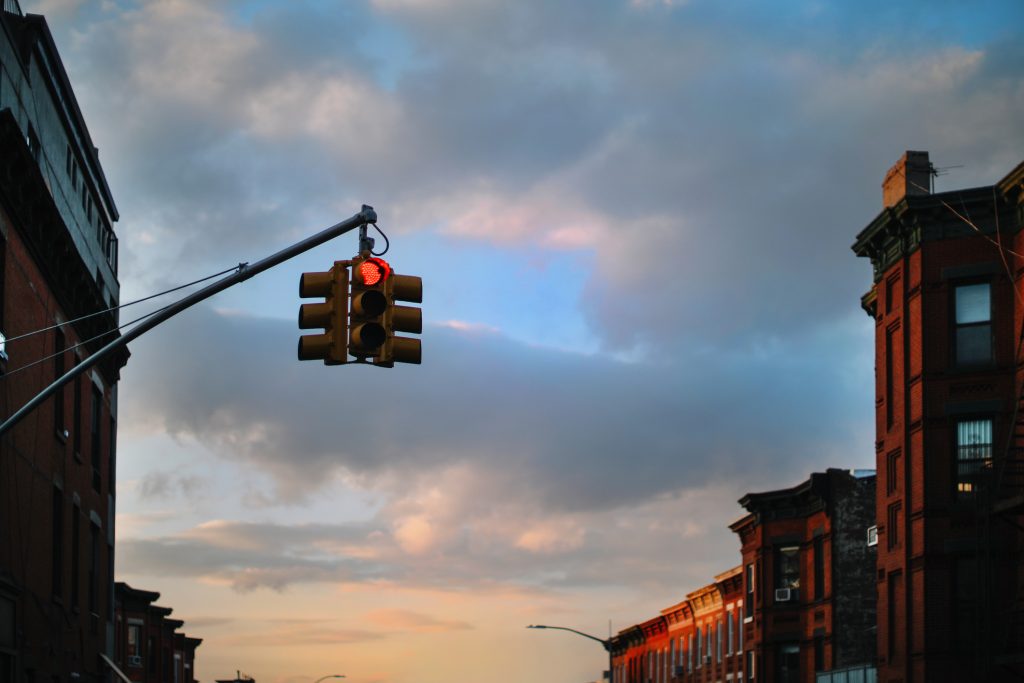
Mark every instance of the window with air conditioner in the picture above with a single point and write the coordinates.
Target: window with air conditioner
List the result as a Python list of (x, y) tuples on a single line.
[(787, 573)]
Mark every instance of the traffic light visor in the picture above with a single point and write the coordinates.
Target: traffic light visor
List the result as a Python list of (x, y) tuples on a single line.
[(374, 271)]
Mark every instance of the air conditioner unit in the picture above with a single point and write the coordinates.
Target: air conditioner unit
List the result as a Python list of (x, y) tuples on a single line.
[(135, 660), (785, 594), (872, 536)]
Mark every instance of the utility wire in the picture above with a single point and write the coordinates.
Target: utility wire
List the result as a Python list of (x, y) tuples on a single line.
[(114, 308), (83, 343)]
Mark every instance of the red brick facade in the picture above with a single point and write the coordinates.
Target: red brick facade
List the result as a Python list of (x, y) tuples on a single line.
[(740, 628), (697, 640), (807, 566), (948, 383)]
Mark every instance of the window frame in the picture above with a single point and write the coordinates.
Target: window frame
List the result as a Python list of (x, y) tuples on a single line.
[(956, 326), (965, 467)]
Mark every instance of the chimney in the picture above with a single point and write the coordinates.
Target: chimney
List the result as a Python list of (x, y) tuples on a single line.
[(910, 176)]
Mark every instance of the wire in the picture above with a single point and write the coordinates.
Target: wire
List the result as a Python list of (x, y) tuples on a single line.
[(961, 217), (83, 343), (114, 308), (387, 243)]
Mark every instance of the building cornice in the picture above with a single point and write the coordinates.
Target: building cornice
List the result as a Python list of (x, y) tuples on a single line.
[(899, 230)]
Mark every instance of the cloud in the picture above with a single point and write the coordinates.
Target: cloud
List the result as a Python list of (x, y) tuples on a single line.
[(605, 433), (290, 633), (407, 620)]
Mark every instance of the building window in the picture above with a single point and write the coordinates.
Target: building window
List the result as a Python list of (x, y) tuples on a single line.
[(57, 536), (134, 644), (76, 528), (892, 471), (749, 668), (94, 568), (689, 655), (58, 371), (787, 663), (893, 524), (819, 653), (787, 568), (965, 602), (728, 618), (973, 339), (890, 379), (748, 602), (34, 146), (700, 647), (973, 454), (718, 641), (819, 568), (76, 418), (96, 412)]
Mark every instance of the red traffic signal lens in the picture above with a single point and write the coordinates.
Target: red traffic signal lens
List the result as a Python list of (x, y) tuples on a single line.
[(374, 271)]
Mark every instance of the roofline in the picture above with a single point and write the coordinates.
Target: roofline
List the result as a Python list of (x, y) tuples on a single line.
[(89, 148)]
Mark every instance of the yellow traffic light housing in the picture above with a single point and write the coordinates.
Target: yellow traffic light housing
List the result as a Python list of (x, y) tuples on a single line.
[(402, 319), (331, 315)]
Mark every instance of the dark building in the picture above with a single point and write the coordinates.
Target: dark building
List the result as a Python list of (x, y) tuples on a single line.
[(808, 578), (58, 263), (148, 646), (946, 299)]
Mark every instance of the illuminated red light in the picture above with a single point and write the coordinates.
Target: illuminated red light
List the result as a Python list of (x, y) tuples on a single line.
[(373, 271)]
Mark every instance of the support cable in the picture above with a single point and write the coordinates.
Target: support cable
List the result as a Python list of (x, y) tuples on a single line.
[(87, 341), (366, 216), (119, 306)]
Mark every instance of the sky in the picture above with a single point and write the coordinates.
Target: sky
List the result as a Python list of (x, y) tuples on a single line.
[(633, 222)]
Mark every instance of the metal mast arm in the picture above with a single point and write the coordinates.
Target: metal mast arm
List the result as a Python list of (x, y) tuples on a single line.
[(245, 271), (606, 643)]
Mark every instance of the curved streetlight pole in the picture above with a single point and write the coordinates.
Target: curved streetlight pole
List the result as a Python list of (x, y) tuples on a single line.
[(605, 642), (324, 678)]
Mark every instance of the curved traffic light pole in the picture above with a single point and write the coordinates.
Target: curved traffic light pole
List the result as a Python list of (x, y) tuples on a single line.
[(244, 272)]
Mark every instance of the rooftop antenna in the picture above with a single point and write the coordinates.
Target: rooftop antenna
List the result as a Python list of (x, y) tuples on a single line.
[(936, 171)]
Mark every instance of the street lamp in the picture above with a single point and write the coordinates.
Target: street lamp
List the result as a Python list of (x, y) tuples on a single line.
[(605, 643), (324, 678)]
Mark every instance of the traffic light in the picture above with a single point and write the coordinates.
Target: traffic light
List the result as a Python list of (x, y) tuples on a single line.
[(331, 315), (402, 319), (367, 304)]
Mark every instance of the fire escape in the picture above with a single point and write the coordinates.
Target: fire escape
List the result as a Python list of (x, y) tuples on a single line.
[(1000, 524)]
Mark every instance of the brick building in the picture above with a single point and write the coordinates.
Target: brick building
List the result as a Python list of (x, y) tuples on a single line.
[(946, 300), (58, 262), (696, 640), (808, 567), (148, 645)]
